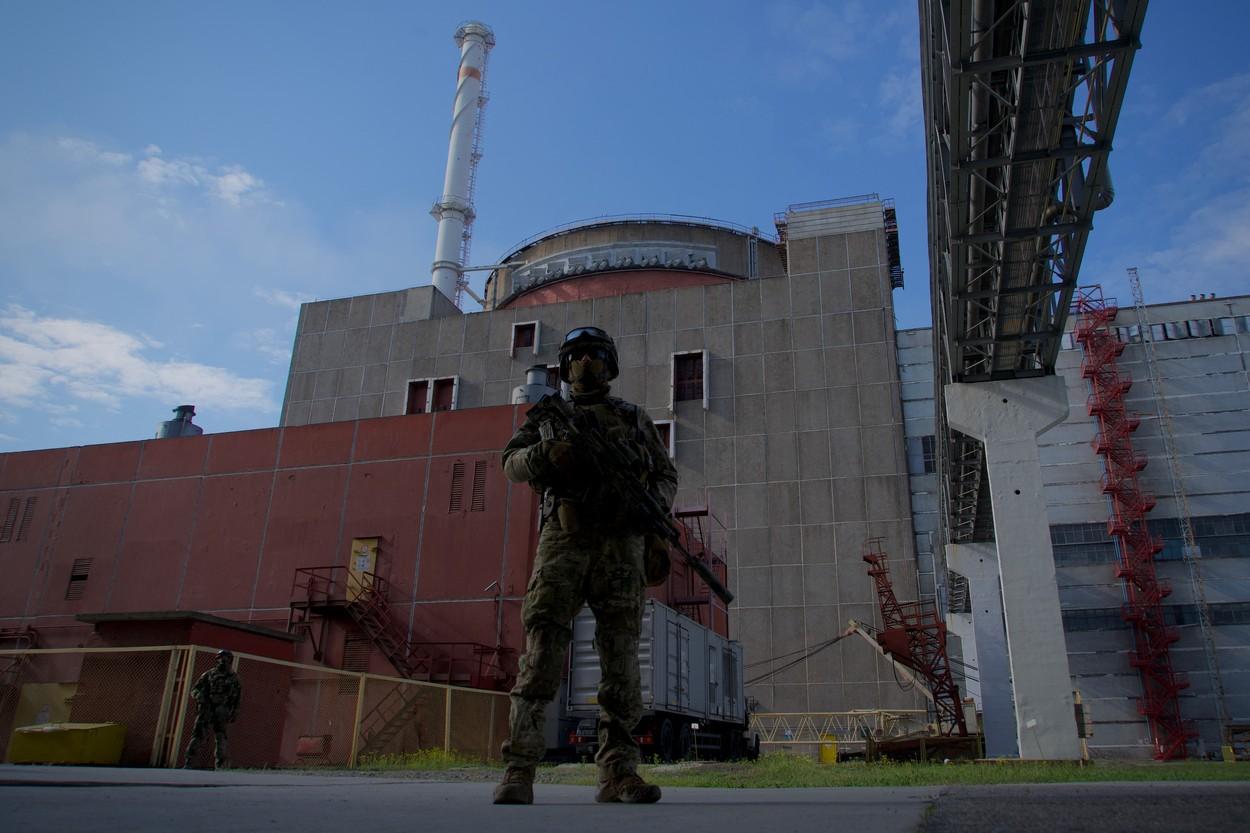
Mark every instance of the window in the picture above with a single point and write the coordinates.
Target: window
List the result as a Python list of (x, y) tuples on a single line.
[(922, 454), (688, 377), (928, 448), (525, 334), (665, 428), (1199, 328), (79, 572), (418, 397), (443, 397)]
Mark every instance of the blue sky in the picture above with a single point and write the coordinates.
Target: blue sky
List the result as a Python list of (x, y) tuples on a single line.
[(176, 177)]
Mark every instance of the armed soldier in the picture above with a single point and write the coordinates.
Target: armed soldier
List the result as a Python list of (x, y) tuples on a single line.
[(593, 549), (216, 695)]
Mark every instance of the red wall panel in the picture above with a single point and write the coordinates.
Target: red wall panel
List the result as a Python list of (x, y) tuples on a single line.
[(243, 451), (154, 545), (107, 463), (479, 429), (318, 445), (174, 457), (392, 438), (37, 469), (303, 530), (90, 526), (226, 544), (21, 557), (460, 547), (384, 501)]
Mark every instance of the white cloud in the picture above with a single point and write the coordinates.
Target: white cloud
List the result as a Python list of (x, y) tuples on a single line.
[(48, 358), (232, 184), (282, 298), (900, 97), (1208, 250)]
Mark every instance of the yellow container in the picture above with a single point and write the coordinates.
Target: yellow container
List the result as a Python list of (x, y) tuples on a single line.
[(828, 749), (68, 743)]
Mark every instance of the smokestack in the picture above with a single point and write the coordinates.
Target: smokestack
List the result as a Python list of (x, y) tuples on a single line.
[(180, 425), (454, 210)]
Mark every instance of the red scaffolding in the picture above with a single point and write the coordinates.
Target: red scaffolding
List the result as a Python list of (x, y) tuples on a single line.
[(1143, 591), (915, 635)]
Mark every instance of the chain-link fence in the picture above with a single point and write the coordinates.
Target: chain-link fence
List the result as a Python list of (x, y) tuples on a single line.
[(290, 714)]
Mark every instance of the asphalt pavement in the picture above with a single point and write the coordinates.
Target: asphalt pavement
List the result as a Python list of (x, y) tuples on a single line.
[(114, 800)]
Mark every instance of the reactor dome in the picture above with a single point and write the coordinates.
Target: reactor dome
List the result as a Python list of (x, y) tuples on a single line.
[(629, 253)]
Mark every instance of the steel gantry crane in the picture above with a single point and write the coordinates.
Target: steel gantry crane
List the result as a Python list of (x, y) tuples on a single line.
[(1021, 99)]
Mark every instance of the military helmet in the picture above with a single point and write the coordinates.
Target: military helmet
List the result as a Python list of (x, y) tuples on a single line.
[(588, 337), (225, 653)]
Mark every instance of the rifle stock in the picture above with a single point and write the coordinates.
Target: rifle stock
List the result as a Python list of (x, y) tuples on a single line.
[(612, 465)]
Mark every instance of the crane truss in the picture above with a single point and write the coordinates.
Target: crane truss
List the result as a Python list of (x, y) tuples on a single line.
[(1021, 101)]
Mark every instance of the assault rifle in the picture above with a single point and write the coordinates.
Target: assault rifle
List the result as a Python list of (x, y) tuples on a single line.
[(618, 465)]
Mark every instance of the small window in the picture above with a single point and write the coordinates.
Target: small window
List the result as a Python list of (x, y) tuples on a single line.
[(688, 377), (444, 396), (1199, 328), (418, 397), (79, 572), (928, 449), (664, 427), (1226, 326), (525, 335)]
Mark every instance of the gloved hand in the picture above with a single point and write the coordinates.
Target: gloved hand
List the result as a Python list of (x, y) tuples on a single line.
[(563, 458), (656, 563)]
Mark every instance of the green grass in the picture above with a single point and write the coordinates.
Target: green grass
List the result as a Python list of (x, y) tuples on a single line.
[(782, 770), (425, 760)]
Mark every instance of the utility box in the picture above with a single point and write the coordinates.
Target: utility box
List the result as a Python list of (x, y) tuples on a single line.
[(68, 743), (692, 687)]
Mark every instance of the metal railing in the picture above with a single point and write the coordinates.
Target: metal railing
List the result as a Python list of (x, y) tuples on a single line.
[(291, 714)]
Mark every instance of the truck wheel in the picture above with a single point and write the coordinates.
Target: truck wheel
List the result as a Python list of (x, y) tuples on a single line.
[(667, 740), (683, 741)]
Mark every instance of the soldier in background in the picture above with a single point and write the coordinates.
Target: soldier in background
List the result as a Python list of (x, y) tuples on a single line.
[(590, 551), (216, 695)]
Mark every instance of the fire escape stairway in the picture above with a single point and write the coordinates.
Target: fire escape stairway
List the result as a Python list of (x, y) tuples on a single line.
[(1130, 504), (320, 591)]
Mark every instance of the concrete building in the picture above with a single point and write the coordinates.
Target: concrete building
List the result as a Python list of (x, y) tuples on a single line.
[(1201, 361), (770, 364)]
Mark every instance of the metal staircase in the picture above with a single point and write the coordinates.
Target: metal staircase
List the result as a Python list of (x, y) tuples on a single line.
[(319, 593), (1130, 503)]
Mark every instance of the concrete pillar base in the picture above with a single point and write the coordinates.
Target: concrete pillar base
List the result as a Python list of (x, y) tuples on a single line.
[(1007, 417), (979, 564)]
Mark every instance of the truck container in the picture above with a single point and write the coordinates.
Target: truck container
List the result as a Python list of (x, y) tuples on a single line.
[(692, 688)]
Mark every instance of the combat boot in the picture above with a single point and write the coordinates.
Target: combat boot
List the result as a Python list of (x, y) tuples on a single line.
[(517, 786), (627, 789)]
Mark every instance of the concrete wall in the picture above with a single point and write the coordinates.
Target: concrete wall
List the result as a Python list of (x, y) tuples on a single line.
[(1207, 392), (799, 452)]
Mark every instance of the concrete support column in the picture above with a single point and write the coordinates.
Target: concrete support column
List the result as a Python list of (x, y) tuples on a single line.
[(979, 564), (1007, 416)]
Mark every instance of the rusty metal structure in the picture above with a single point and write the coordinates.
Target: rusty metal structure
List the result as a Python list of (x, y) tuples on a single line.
[(914, 635), (1130, 503)]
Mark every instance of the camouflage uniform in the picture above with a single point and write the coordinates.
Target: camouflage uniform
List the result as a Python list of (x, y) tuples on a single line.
[(216, 694), (600, 563)]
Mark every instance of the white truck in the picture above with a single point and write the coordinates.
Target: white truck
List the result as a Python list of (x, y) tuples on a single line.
[(692, 689)]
